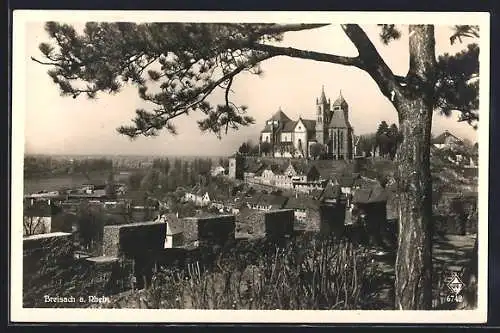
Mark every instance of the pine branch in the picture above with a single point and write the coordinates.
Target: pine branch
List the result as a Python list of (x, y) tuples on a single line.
[(304, 54)]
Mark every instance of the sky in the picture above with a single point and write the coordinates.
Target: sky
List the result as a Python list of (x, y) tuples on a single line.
[(63, 125)]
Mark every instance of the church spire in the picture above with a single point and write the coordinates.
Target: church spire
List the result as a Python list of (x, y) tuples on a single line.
[(323, 96)]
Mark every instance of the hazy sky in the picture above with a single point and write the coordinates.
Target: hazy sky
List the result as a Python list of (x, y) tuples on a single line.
[(57, 125)]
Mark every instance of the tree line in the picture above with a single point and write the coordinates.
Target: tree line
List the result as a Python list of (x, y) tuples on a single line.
[(385, 141), (46, 165), (166, 175)]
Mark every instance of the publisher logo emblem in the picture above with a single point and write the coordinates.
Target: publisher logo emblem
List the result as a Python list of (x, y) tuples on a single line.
[(455, 285)]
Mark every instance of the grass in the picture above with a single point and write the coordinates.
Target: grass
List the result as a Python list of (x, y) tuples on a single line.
[(322, 274)]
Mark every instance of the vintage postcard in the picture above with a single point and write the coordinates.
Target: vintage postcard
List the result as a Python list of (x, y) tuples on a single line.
[(249, 167)]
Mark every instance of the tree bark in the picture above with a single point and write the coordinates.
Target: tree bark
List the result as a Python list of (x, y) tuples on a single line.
[(413, 285)]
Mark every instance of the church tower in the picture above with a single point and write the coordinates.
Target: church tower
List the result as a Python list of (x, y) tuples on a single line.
[(322, 111), (340, 130)]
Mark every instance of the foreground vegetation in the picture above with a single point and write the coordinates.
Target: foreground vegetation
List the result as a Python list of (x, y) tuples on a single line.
[(304, 274)]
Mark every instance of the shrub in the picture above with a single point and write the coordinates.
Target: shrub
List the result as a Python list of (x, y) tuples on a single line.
[(317, 274)]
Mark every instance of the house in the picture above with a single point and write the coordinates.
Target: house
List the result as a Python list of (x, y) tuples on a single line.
[(253, 169), (174, 234), (332, 210), (347, 183), (266, 202), (306, 210), (330, 194), (370, 211), (218, 170), (304, 177), (199, 195), (446, 140)]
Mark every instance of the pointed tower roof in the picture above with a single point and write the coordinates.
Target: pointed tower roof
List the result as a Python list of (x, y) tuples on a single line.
[(280, 116), (323, 99), (338, 120), (340, 101)]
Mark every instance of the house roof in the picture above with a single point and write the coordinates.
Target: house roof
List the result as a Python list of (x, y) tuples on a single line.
[(441, 139), (302, 203), (268, 199), (330, 191), (274, 200), (365, 182), (374, 194), (347, 180), (316, 194), (277, 169)]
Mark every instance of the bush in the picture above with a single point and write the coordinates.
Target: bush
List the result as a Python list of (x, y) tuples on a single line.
[(319, 274)]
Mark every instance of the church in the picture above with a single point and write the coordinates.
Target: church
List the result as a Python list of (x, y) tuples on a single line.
[(294, 138)]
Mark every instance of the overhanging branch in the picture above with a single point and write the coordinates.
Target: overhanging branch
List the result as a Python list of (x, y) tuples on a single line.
[(304, 54)]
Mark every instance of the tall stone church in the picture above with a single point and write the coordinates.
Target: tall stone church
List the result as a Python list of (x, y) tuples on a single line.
[(331, 128)]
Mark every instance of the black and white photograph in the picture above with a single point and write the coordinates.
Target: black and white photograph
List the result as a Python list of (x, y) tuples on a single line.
[(249, 166)]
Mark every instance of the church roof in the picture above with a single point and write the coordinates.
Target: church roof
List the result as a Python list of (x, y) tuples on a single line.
[(338, 120), (340, 101), (309, 124), (289, 126), (281, 117)]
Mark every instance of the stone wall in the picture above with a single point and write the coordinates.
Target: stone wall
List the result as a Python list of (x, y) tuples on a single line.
[(332, 219), (210, 230), (279, 223), (251, 222), (130, 239), (46, 249)]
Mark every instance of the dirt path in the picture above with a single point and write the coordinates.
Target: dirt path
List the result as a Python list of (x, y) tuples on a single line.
[(450, 255)]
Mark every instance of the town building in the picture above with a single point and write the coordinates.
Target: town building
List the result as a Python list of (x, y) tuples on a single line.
[(294, 138), (370, 211), (174, 234), (446, 140), (306, 212)]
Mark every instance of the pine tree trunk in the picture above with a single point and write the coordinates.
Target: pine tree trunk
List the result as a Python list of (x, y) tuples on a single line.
[(413, 285), (414, 257)]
